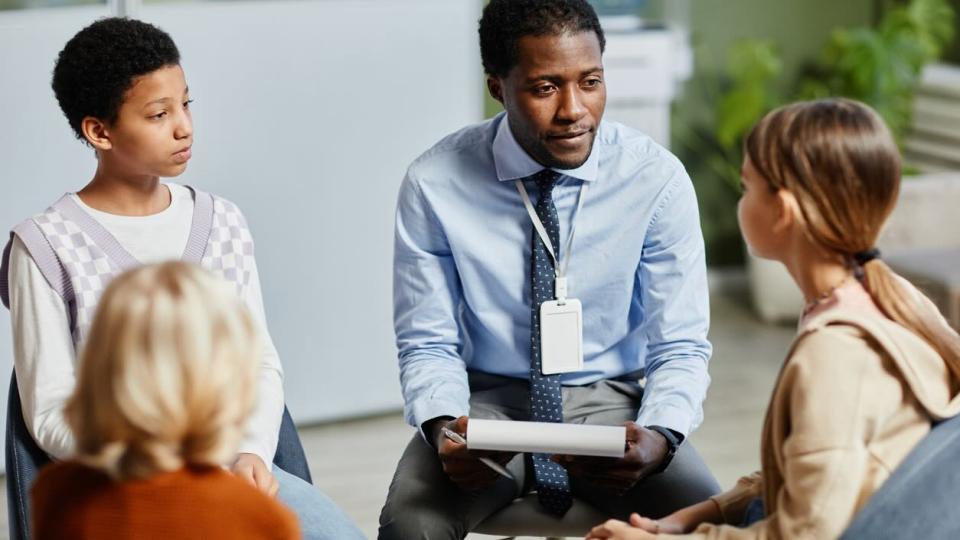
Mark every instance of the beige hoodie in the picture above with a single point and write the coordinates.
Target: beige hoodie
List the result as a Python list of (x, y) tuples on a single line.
[(855, 395)]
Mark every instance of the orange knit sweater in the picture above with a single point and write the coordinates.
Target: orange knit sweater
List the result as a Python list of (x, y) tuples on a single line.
[(74, 501)]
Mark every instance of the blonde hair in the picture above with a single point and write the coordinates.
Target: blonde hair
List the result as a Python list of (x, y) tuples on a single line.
[(840, 162), (167, 376)]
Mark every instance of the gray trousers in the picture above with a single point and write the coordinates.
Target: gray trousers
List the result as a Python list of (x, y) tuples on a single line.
[(423, 503)]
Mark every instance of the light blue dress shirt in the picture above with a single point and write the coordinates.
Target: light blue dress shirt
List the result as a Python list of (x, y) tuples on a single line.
[(462, 271)]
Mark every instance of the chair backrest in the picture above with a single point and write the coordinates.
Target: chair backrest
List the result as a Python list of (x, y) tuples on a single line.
[(919, 500), (24, 458), (290, 455)]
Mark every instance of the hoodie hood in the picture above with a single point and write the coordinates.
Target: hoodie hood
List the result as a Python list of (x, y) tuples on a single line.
[(923, 370)]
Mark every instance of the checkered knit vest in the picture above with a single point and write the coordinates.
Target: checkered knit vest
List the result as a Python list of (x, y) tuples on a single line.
[(79, 258)]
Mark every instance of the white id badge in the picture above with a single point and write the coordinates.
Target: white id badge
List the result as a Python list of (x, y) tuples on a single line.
[(561, 336)]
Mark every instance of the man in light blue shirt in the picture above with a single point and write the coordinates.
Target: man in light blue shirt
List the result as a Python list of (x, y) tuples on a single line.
[(465, 308)]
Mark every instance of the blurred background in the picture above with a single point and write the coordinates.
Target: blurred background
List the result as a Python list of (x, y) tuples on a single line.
[(308, 112)]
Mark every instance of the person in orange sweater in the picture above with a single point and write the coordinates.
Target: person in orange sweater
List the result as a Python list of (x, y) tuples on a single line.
[(166, 383), (874, 364)]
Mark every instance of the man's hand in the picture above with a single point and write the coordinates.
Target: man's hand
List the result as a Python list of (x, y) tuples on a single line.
[(645, 451), (460, 464), (618, 530), (252, 469)]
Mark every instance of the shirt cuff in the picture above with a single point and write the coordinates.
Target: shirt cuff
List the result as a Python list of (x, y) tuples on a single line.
[(672, 418), (428, 409)]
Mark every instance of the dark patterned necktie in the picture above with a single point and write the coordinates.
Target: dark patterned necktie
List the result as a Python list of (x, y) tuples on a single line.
[(546, 399)]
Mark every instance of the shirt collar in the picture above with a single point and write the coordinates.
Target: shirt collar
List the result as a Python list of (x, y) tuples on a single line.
[(513, 162)]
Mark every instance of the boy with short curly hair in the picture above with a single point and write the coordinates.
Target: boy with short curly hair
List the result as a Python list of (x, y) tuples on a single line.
[(120, 84)]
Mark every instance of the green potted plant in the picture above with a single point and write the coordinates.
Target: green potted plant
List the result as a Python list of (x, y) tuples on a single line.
[(878, 65)]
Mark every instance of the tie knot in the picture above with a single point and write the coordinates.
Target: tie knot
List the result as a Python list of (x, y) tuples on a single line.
[(545, 180)]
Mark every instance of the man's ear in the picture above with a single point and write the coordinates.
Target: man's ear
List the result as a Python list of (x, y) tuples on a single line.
[(495, 87), (96, 132)]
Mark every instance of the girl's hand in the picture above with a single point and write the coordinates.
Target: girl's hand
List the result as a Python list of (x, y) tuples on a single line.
[(618, 530), (670, 524), (682, 521)]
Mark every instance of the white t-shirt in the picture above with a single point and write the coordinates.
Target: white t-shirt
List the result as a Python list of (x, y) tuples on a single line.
[(44, 355)]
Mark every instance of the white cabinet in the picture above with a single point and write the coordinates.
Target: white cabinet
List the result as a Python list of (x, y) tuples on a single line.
[(644, 69)]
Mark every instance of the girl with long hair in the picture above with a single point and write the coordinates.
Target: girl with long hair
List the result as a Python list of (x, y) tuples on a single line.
[(873, 366)]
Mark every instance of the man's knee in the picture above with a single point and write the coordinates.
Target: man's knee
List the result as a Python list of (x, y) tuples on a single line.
[(421, 523), (692, 472), (421, 502)]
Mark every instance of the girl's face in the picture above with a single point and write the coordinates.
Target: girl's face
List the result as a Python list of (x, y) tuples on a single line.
[(758, 212)]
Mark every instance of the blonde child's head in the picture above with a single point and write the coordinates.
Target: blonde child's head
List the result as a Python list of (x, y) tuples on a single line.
[(167, 376), (833, 169)]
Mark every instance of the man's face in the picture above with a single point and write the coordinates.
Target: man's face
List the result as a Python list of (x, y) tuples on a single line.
[(554, 97)]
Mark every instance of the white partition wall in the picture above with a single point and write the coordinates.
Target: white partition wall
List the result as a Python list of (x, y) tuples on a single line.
[(39, 157), (306, 115)]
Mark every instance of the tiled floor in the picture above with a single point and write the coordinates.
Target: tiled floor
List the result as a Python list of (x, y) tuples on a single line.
[(353, 462)]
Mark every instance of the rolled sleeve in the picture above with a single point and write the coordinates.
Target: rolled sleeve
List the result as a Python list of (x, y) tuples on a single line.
[(733, 503), (675, 301), (427, 295)]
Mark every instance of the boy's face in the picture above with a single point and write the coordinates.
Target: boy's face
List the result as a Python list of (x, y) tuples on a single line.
[(153, 132)]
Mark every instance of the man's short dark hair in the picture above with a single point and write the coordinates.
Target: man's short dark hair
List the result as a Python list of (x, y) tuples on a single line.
[(99, 64), (504, 22)]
